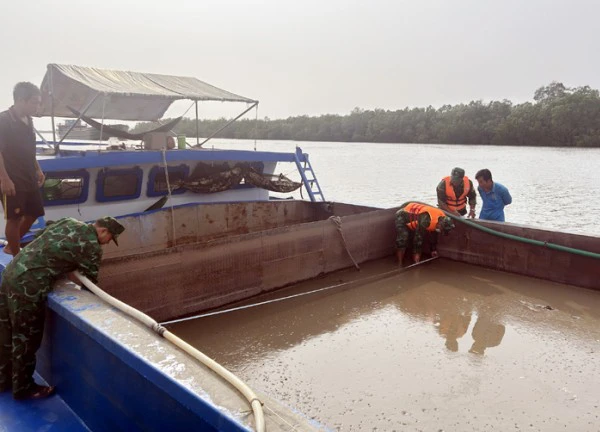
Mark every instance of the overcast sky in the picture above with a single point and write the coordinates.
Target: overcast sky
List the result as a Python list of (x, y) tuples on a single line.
[(314, 57)]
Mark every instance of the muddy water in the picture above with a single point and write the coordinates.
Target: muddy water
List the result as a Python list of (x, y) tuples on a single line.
[(444, 346)]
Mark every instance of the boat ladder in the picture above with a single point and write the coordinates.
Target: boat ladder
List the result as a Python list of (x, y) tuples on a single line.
[(309, 179)]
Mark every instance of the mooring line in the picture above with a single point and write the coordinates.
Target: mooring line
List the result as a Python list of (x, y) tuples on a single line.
[(357, 281)]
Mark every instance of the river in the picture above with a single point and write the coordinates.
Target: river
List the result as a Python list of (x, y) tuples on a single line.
[(555, 188)]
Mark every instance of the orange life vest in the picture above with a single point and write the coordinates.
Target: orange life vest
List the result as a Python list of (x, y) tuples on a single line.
[(414, 210), (457, 203)]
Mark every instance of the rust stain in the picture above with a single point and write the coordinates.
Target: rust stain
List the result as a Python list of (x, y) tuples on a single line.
[(186, 239)]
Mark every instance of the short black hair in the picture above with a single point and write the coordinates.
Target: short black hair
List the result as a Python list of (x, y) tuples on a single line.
[(25, 91), (485, 174)]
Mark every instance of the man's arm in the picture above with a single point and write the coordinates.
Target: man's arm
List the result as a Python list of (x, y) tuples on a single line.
[(39, 174), (441, 196), (433, 244), (6, 184), (419, 237), (402, 235), (88, 266), (84, 254), (506, 198), (472, 196)]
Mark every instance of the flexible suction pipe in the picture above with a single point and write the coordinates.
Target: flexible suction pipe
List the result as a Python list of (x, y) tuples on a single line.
[(516, 237), (255, 403)]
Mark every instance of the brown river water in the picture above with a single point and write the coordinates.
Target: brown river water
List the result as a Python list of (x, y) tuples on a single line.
[(443, 346), (555, 188)]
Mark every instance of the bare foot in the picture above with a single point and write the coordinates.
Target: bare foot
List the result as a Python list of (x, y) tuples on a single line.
[(37, 392)]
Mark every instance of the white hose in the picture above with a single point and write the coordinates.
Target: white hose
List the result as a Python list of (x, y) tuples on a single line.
[(243, 388)]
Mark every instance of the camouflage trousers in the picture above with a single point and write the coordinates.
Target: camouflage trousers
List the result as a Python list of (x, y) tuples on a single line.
[(404, 235), (21, 330)]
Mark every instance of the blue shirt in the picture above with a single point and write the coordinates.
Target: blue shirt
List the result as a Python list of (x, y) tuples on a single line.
[(494, 202)]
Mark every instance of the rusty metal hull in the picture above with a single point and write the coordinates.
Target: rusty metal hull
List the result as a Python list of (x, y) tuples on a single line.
[(226, 266), (179, 262), (472, 246)]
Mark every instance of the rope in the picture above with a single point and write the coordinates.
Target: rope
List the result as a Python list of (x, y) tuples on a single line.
[(42, 138), (337, 221), (186, 111), (182, 115), (292, 427), (357, 282), (164, 158), (255, 127), (290, 172)]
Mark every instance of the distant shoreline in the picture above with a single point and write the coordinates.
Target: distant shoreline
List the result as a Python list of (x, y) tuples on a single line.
[(189, 137), (558, 117)]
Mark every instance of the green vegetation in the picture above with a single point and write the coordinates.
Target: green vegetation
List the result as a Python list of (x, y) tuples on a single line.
[(559, 116)]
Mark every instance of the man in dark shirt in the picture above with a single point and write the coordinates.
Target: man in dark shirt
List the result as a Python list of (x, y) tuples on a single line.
[(20, 173)]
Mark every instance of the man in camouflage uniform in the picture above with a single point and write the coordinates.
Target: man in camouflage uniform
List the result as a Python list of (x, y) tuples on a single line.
[(63, 247), (457, 182), (419, 219)]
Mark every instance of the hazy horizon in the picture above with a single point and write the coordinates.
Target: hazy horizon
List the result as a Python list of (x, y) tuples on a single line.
[(314, 58)]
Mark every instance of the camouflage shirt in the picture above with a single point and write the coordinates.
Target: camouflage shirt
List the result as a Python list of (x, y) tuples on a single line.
[(403, 232), (63, 247), (458, 190)]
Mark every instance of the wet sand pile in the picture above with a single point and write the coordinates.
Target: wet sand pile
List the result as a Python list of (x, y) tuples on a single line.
[(444, 346)]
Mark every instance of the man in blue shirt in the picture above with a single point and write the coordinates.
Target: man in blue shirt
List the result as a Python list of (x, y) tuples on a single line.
[(493, 195)]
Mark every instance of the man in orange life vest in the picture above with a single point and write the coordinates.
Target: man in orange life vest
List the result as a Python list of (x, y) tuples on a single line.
[(453, 192), (419, 218)]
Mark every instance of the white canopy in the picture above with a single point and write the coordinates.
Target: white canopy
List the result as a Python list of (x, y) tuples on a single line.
[(121, 95)]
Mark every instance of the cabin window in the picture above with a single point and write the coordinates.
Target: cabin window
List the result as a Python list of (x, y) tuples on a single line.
[(119, 184), (157, 183), (65, 187)]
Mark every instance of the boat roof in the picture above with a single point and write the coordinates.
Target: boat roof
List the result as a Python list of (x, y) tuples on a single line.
[(73, 159), (133, 96)]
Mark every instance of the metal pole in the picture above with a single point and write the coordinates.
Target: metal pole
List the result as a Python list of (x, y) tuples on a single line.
[(228, 123), (81, 114), (42, 137), (56, 145), (197, 128), (102, 125), (255, 127)]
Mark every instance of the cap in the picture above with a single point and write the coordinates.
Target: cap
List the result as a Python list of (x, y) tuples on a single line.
[(446, 224), (458, 173), (114, 227)]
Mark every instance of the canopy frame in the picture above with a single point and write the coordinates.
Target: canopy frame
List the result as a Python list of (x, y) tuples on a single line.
[(125, 91), (81, 114), (198, 144)]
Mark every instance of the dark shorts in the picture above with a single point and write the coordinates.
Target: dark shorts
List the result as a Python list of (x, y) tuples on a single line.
[(28, 203)]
